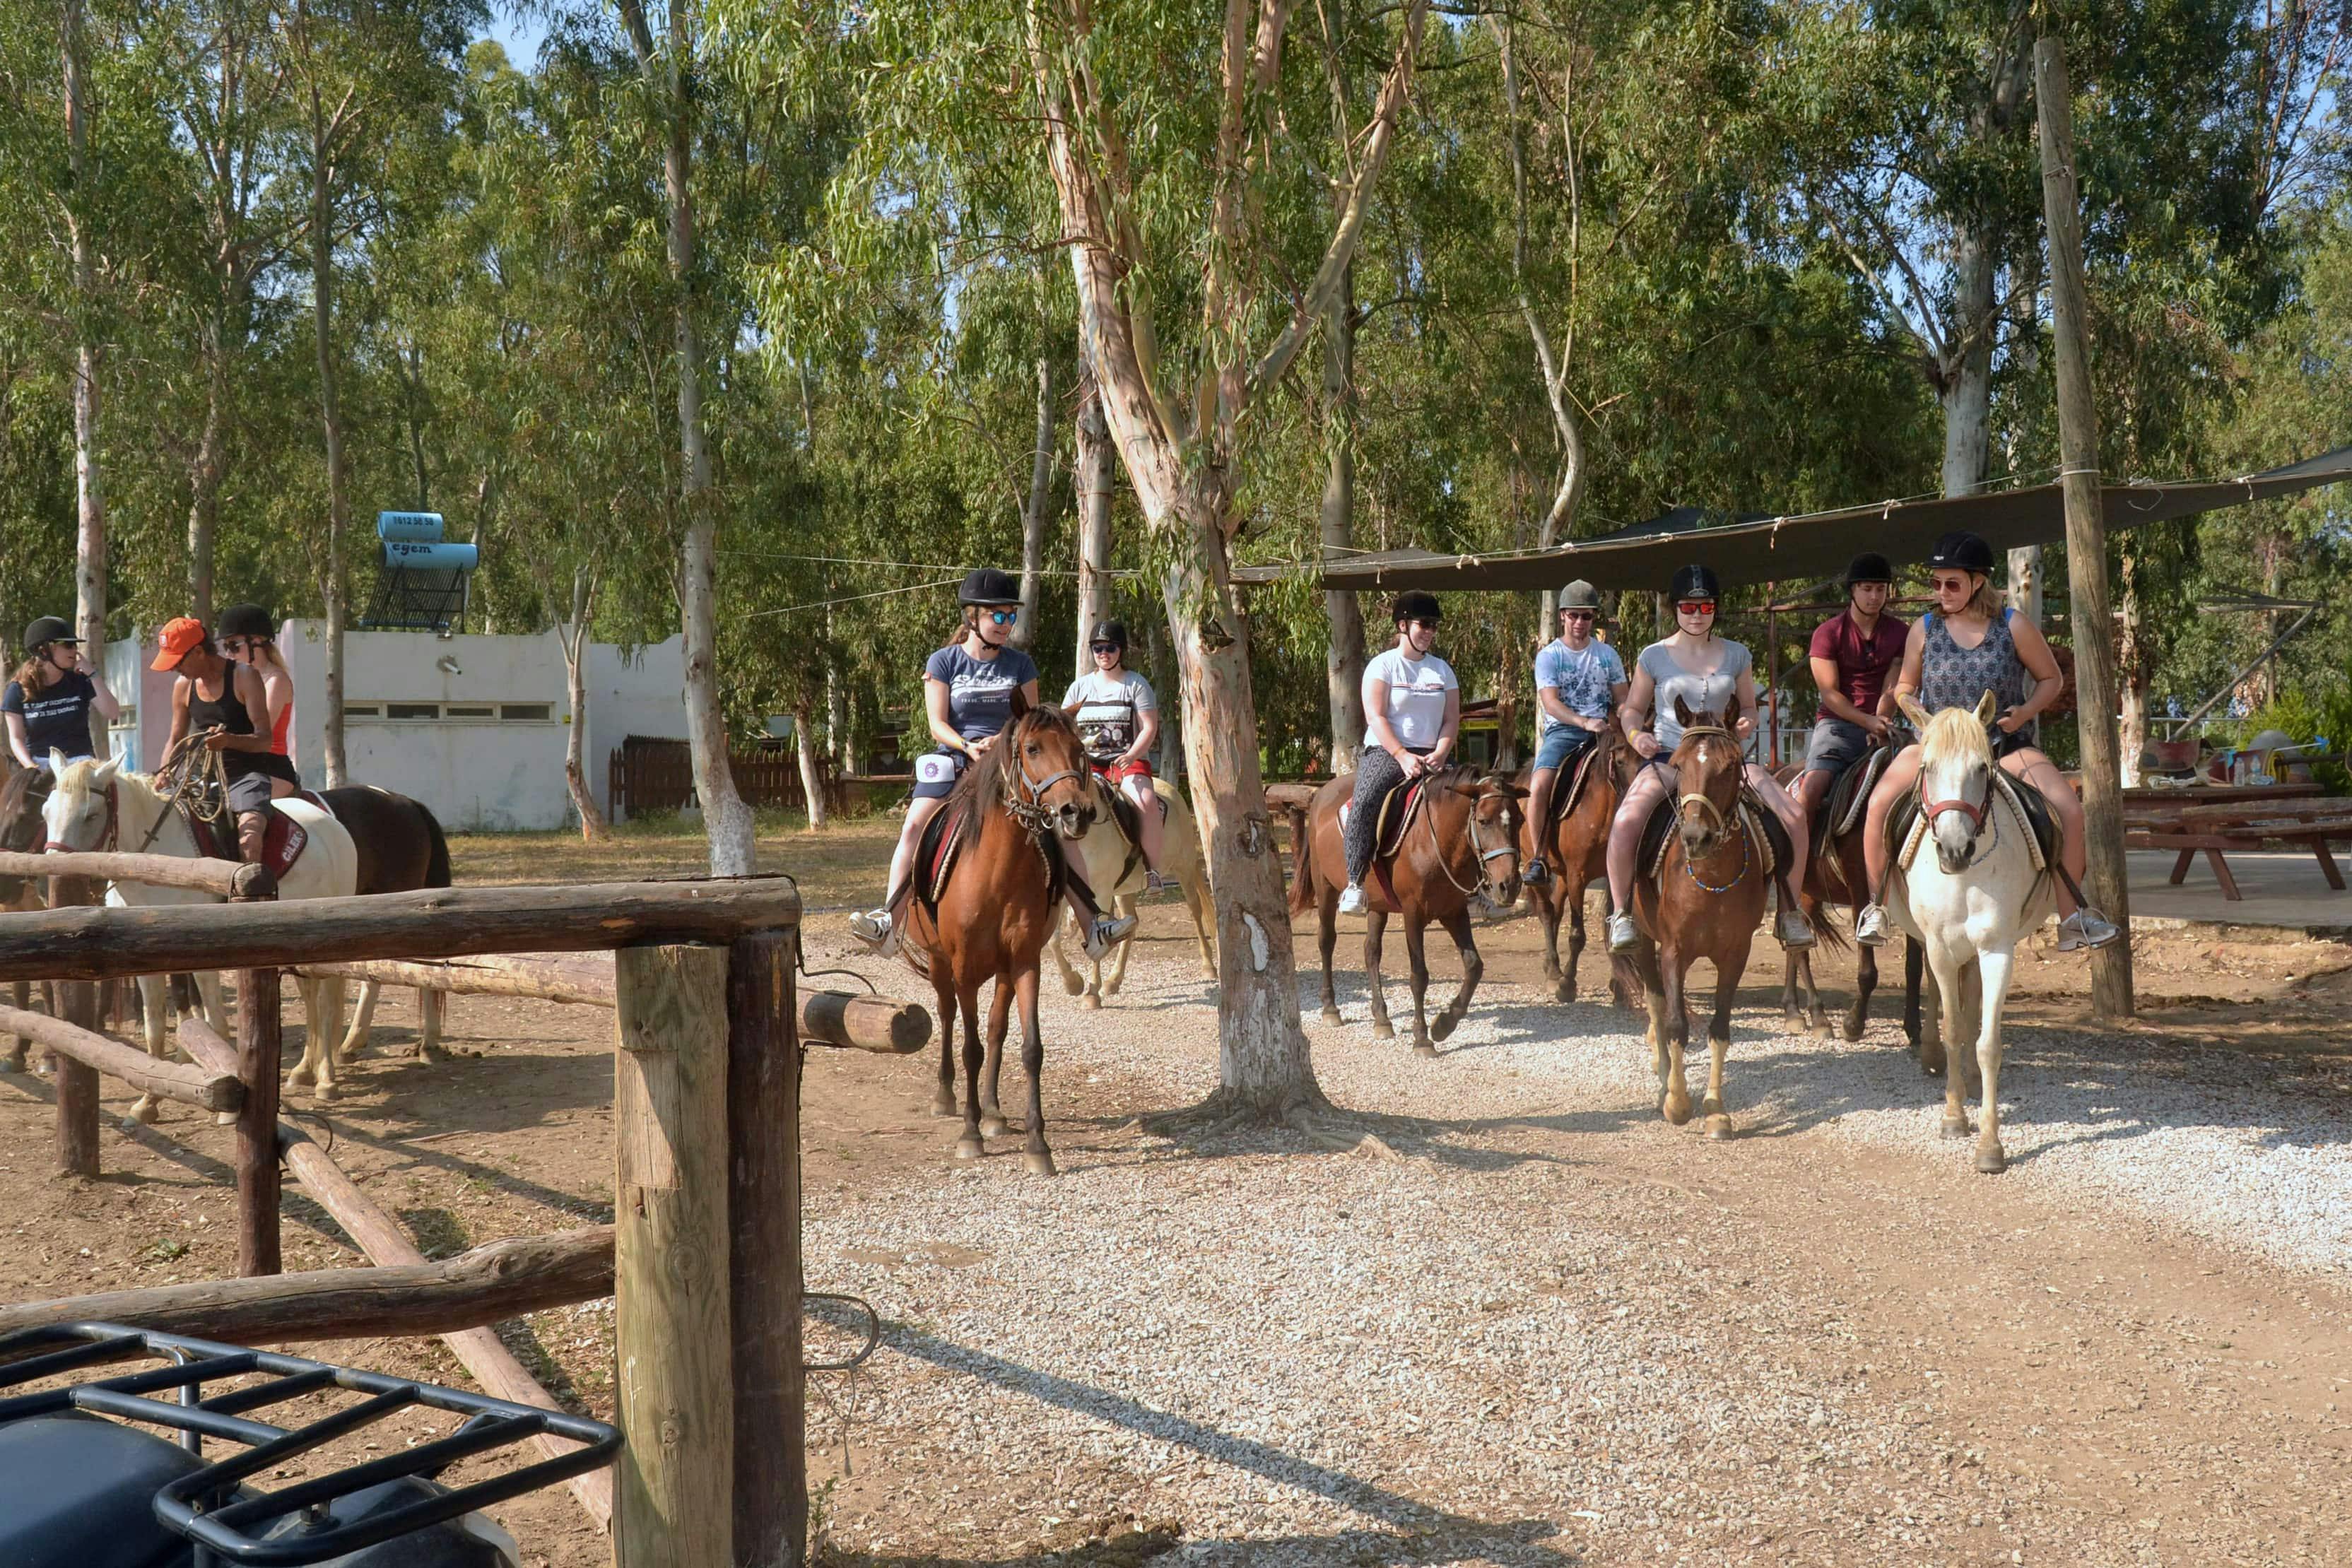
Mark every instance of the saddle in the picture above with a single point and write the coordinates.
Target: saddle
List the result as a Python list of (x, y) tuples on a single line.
[(1396, 813), (1843, 809), (1760, 823), (1127, 817), (1906, 825), (282, 843), (1564, 799)]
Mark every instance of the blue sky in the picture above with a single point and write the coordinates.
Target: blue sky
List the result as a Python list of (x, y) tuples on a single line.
[(519, 31)]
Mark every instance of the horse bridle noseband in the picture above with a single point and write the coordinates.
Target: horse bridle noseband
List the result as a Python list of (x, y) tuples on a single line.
[(1722, 826), (1477, 846), (1032, 813)]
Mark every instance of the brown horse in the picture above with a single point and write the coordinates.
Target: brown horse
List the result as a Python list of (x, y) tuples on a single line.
[(1706, 902), (1463, 845), (21, 795), (1834, 873), (1576, 849), (1017, 803)]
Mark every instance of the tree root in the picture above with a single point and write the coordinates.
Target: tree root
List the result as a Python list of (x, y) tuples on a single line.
[(1307, 1112)]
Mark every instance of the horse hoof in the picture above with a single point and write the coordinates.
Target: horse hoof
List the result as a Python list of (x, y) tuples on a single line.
[(1957, 1127), (1092, 1004), (1676, 1108), (431, 1055), (1423, 1048), (1331, 1015), (325, 1091), (969, 1147), (1853, 1029), (1038, 1162), (301, 1078), (1384, 1029), (1444, 1026), (224, 1118), (1073, 985), (1563, 992), (944, 1104), (1992, 1161), (995, 1126), (143, 1112), (1718, 1127)]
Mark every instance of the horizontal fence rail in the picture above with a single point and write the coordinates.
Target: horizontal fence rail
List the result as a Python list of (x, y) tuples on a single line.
[(222, 879)]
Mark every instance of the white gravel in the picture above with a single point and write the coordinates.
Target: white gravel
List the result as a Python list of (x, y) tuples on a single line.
[(1491, 1353)]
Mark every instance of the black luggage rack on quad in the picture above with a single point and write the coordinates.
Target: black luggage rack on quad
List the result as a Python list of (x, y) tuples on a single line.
[(79, 1491)]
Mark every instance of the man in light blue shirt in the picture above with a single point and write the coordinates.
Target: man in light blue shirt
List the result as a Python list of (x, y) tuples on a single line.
[(1578, 683)]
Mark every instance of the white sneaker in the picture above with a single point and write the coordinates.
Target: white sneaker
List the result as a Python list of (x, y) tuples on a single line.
[(2086, 928), (1351, 899), (1870, 926), (1623, 934), (873, 927), (1109, 933)]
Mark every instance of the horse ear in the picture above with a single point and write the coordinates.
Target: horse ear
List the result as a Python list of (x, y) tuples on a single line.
[(1020, 704), (1683, 715), (1504, 787), (1468, 792), (57, 762), (1986, 706), (105, 771), (1912, 711)]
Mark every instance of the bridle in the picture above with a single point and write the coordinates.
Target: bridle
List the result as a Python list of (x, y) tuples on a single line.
[(1028, 805), (1692, 798), (110, 840), (1477, 846), (1976, 812)]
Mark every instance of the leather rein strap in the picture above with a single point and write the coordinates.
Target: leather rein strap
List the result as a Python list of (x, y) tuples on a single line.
[(1722, 826)]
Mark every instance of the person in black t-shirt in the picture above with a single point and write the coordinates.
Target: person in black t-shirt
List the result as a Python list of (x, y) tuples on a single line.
[(47, 705)]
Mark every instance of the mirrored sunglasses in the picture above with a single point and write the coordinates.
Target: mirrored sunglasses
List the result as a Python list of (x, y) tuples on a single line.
[(1696, 607), (1004, 617)]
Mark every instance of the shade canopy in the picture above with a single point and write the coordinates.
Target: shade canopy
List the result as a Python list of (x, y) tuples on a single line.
[(1754, 550)]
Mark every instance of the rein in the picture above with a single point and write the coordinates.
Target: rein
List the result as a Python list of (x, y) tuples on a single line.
[(1477, 846), (1723, 827)]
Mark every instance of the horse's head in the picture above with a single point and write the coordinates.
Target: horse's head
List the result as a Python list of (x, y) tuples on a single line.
[(1494, 833), (1710, 763), (1955, 778), (79, 810), (1047, 773)]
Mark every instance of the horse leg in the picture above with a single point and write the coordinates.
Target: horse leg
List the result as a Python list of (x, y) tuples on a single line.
[(1457, 925), (1728, 968), (1416, 954), (1994, 970), (11, 1049), (1677, 1104), (355, 1038), (1327, 936), (1796, 978), (970, 1146), (1866, 981), (1912, 959), (323, 1020), (1205, 920), (430, 1004), (1036, 1156), (1376, 925), (1073, 983), (943, 1102), (1571, 914), (993, 1123), (1549, 908), (1645, 964), (1122, 904), (151, 1027)]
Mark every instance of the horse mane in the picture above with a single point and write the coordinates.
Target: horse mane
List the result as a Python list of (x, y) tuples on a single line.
[(1955, 732), (990, 777)]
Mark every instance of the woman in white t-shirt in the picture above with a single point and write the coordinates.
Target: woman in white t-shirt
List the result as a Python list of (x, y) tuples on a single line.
[(1413, 717), (1118, 719)]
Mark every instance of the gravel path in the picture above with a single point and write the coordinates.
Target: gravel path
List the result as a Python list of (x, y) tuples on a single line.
[(1557, 1331)]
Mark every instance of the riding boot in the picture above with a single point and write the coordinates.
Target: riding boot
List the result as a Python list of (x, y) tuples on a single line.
[(1535, 873)]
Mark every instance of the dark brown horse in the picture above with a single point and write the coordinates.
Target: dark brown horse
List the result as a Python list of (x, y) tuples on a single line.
[(1834, 873), (401, 849), (21, 795), (1576, 849), (1462, 845), (1019, 803), (1706, 902)]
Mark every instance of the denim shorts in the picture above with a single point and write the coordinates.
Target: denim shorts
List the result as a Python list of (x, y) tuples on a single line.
[(1835, 745), (1562, 742)]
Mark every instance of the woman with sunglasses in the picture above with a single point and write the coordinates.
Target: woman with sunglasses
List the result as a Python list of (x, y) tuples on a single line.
[(49, 703), (1117, 718), (1971, 644), (1412, 718), (1708, 675), (967, 692), (247, 636)]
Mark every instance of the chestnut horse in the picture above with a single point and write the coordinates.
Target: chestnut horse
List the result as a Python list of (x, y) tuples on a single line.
[(1462, 845), (1019, 802), (1706, 902), (1576, 848), (1834, 873)]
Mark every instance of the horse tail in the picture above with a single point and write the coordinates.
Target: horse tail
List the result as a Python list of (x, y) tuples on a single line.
[(1302, 860), (1825, 926), (437, 858)]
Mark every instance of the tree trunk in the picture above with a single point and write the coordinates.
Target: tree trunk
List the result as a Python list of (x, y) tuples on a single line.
[(726, 819), (1167, 682), (1967, 389), (90, 542), (1343, 662), (574, 636), (2131, 672), (1033, 515), (1092, 472), (205, 473), (330, 419), (805, 747)]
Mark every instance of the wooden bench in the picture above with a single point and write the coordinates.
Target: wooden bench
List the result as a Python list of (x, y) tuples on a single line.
[(2213, 829)]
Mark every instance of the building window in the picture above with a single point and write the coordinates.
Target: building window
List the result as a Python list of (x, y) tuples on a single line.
[(457, 712), (411, 710), (361, 710), (527, 713)]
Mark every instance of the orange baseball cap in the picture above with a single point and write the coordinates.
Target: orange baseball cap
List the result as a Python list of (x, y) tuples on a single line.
[(179, 636)]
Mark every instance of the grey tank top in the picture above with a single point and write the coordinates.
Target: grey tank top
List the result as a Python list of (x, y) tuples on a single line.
[(1954, 676), (1711, 693)]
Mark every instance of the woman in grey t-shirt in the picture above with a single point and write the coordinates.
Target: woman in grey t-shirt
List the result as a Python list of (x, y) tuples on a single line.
[(1708, 674)]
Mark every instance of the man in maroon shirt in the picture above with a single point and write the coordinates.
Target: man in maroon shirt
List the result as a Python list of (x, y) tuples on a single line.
[(1854, 655)]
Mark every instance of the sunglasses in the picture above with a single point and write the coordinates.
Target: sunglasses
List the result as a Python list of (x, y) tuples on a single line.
[(1696, 607), (1421, 625), (1578, 615), (1004, 617), (1106, 648)]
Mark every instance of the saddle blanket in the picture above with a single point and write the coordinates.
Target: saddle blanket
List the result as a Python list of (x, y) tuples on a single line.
[(282, 843)]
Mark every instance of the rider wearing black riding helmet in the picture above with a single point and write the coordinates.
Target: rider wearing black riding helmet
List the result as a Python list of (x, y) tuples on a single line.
[(1412, 718), (969, 687), (48, 705), (1118, 716), (246, 635), (1854, 656)]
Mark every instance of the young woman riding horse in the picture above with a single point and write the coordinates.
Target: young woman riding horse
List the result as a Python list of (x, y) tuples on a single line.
[(1968, 646), (1412, 718), (1697, 670), (971, 689), (1026, 799)]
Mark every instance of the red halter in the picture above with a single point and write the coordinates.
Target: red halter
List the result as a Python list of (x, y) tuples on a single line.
[(113, 824)]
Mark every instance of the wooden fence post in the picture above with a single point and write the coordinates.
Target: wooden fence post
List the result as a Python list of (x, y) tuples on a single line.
[(763, 1208), (259, 1182), (77, 1083), (673, 1504)]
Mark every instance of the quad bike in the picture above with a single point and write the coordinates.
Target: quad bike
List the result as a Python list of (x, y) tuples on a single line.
[(85, 1484)]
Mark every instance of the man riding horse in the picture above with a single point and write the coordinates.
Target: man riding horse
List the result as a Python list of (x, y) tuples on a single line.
[(1854, 655), (226, 707), (1580, 682), (1412, 718)]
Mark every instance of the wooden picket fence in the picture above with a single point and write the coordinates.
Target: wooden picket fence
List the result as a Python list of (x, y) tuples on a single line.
[(649, 775)]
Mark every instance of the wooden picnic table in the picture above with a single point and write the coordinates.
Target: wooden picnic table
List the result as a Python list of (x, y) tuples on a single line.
[(2293, 813)]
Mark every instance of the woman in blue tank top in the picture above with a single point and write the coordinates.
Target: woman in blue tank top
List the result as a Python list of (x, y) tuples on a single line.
[(1968, 646)]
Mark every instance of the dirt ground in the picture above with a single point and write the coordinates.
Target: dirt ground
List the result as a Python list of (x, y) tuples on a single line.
[(2058, 1386)]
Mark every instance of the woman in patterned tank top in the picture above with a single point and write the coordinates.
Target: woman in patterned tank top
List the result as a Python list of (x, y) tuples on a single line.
[(1971, 644)]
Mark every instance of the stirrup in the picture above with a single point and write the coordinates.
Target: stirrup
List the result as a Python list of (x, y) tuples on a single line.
[(1535, 873), (1795, 932)]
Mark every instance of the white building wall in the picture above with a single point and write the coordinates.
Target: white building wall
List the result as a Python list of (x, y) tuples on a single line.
[(631, 690)]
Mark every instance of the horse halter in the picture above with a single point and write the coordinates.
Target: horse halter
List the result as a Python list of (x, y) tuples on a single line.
[(1477, 846), (1032, 813), (1690, 798)]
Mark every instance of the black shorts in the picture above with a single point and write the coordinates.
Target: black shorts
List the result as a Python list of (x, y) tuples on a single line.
[(249, 792)]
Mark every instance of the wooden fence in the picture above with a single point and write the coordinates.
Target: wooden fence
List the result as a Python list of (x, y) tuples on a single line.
[(704, 1259), (646, 775)]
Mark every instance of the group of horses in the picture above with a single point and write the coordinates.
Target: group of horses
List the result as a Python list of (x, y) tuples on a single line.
[(358, 841), (1032, 808)]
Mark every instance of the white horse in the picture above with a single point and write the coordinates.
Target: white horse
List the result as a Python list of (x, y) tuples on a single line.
[(88, 797), (1118, 876), (1971, 902)]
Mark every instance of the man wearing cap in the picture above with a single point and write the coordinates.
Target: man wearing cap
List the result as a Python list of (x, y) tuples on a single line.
[(1854, 655), (47, 705), (1579, 685), (227, 708)]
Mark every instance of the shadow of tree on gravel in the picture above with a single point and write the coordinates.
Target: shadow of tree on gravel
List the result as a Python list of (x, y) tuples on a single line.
[(1512, 1543), (1416, 1532)]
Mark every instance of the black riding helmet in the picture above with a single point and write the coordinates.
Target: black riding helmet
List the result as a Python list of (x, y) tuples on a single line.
[(1695, 581), (1415, 606), (1113, 631), (1958, 551), (45, 629), (989, 585), (1868, 566), (245, 620)]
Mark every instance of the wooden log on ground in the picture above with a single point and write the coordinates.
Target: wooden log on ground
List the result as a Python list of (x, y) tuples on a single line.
[(675, 1483), (440, 923), (483, 1354), (222, 879), (584, 978), (763, 1217), (864, 1023), (93, 1052), (489, 1284), (1293, 797)]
